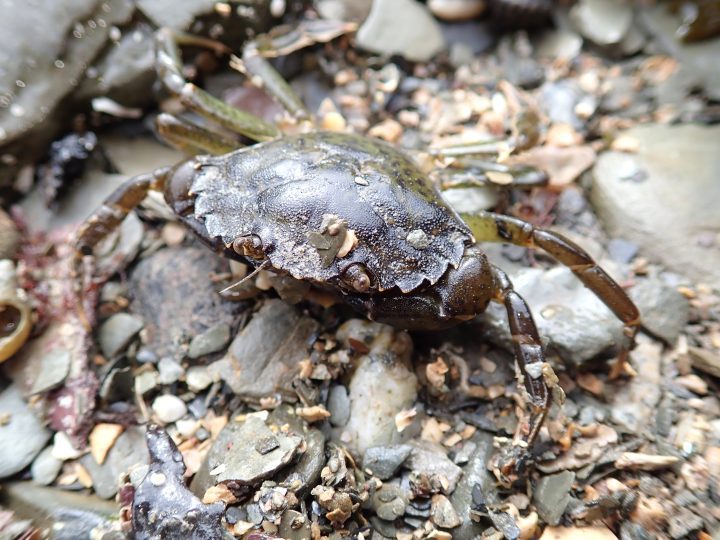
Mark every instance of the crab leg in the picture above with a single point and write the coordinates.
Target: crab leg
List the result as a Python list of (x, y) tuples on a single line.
[(490, 227), (193, 139), (105, 220), (169, 69), (530, 361)]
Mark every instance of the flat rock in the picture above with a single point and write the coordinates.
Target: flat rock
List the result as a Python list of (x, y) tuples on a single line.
[(571, 320), (418, 38), (384, 461), (430, 458), (263, 358), (665, 197), (46, 467), (117, 332), (211, 340), (246, 451), (22, 437), (663, 309), (173, 293), (552, 495)]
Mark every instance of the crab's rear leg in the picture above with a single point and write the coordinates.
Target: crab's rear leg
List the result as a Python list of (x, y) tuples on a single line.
[(490, 227), (169, 69), (104, 221), (535, 374)]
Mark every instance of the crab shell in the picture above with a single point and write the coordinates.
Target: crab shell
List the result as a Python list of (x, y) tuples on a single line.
[(284, 191)]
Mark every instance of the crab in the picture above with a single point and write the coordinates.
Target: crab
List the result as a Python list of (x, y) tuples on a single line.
[(347, 215)]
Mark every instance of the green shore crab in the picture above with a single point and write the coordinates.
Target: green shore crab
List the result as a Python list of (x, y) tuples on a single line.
[(348, 215)]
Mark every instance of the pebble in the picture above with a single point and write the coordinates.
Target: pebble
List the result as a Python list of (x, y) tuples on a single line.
[(384, 461), (559, 44), (705, 361), (169, 408), (146, 381), (46, 467), (339, 405), (198, 378), (169, 371), (559, 99), (418, 38), (638, 195), (604, 22), (430, 458), (386, 371), (621, 250), (457, 10), (552, 495), (22, 437), (389, 502), (117, 332), (664, 310), (212, 340), (443, 513)]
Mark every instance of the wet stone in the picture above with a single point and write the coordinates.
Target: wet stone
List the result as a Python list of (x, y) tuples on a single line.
[(169, 371), (22, 437), (429, 458), (234, 456), (198, 378), (552, 495), (384, 461), (117, 332), (45, 468), (621, 250), (294, 526), (162, 506), (443, 513), (173, 293), (338, 405), (169, 408), (604, 22), (389, 502), (212, 340), (9, 236), (418, 39), (664, 310), (263, 358)]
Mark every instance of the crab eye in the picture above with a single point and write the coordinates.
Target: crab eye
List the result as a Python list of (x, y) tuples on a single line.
[(357, 277), (249, 246)]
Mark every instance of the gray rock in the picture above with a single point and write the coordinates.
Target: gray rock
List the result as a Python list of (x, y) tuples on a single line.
[(263, 358), (430, 458), (22, 437), (663, 309), (604, 22), (665, 197), (174, 295), (384, 461), (338, 404), (45, 362), (211, 340), (559, 44), (117, 332), (169, 408), (198, 378), (475, 37), (621, 250), (418, 38), (472, 199), (234, 456), (474, 473), (344, 10), (558, 100), (46, 467), (443, 513), (169, 371), (389, 502), (552, 495), (145, 382), (571, 320), (128, 452), (9, 236)]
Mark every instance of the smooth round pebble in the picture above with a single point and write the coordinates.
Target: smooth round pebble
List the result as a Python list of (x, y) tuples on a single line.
[(169, 408), (198, 378)]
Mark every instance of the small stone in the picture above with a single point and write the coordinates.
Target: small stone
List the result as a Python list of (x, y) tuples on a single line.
[(418, 38), (169, 408), (443, 513), (9, 236), (644, 462), (145, 382), (169, 371), (46, 467), (63, 448), (101, 440), (117, 332), (456, 10), (22, 436), (198, 378), (622, 251), (705, 361), (552, 495), (604, 22), (389, 502), (339, 405), (430, 458), (573, 533), (212, 340), (664, 310), (384, 461)]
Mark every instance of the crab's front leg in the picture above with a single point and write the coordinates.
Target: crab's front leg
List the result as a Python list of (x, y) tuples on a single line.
[(490, 227), (104, 221), (535, 374)]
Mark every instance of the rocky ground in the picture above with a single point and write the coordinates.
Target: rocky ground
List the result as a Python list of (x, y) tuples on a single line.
[(187, 415)]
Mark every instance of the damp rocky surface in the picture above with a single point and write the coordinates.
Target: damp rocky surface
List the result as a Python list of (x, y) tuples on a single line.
[(170, 409)]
